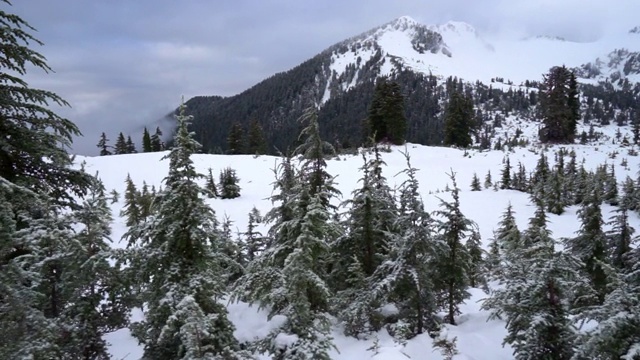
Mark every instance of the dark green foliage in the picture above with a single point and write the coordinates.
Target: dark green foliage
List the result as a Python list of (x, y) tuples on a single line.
[(228, 187), (487, 180), (178, 263), (254, 242), (235, 140), (454, 264), (131, 147), (458, 121), (146, 141), (475, 183), (131, 209), (619, 239), (156, 140), (387, 121), (102, 145), (121, 145), (505, 182), (257, 145), (559, 106), (590, 244), (211, 186)]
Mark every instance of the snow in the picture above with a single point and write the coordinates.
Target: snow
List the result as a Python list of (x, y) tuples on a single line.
[(477, 57), (477, 337)]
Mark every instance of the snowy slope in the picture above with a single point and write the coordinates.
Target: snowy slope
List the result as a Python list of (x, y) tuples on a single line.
[(459, 50), (478, 339)]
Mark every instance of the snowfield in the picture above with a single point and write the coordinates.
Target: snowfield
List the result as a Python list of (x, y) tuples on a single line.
[(477, 338)]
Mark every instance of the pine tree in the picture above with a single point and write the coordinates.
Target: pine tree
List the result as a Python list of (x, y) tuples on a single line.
[(505, 183), (146, 141), (176, 256), (559, 106), (386, 119), (98, 303), (235, 140), (488, 183), (121, 145), (228, 187), (475, 183), (458, 120), (619, 239), (37, 183), (255, 242), (131, 147), (257, 143), (453, 266), (290, 276), (102, 145), (211, 185), (590, 244), (131, 209), (477, 278), (535, 297), (156, 140)]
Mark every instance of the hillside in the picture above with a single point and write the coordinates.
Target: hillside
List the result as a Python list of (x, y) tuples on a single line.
[(420, 58), (477, 338)]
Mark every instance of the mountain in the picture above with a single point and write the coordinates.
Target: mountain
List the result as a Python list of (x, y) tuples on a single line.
[(421, 58)]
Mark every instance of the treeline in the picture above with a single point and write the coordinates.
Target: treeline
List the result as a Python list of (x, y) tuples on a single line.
[(150, 143)]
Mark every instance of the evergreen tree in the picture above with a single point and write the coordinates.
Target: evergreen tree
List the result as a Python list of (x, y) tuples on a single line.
[(458, 121), (255, 243), (619, 239), (488, 183), (386, 119), (453, 266), (590, 244), (235, 140), (102, 145), (559, 106), (228, 187), (257, 143), (131, 209), (290, 276), (505, 183), (211, 185), (535, 297), (98, 303), (37, 184), (146, 141), (121, 145), (475, 183), (156, 140), (131, 147), (176, 256), (477, 278)]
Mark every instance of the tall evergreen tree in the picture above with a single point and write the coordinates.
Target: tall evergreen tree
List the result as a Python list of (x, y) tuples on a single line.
[(559, 106), (121, 145), (211, 185), (36, 184), (290, 276), (458, 121), (386, 119), (177, 257), (235, 140), (102, 145), (505, 182), (257, 145), (156, 140), (453, 265), (131, 147), (146, 141)]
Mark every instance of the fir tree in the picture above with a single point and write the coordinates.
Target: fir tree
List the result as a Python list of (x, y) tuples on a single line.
[(235, 140), (254, 241), (228, 187), (590, 244), (475, 183), (146, 141), (559, 106), (477, 264), (453, 266), (156, 140), (386, 119), (211, 185), (102, 145), (256, 143), (131, 209), (505, 182), (177, 259), (121, 145), (131, 147), (458, 121), (488, 183), (619, 239)]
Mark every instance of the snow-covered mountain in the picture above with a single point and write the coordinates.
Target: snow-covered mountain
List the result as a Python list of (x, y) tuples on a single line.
[(457, 49)]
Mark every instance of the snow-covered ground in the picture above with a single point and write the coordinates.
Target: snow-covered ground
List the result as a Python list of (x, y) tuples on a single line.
[(477, 338)]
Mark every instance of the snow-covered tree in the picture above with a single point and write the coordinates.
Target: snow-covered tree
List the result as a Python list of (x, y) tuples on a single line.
[(178, 259), (452, 278), (228, 187)]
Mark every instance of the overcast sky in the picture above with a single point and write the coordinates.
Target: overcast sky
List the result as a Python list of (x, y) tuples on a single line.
[(125, 63)]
